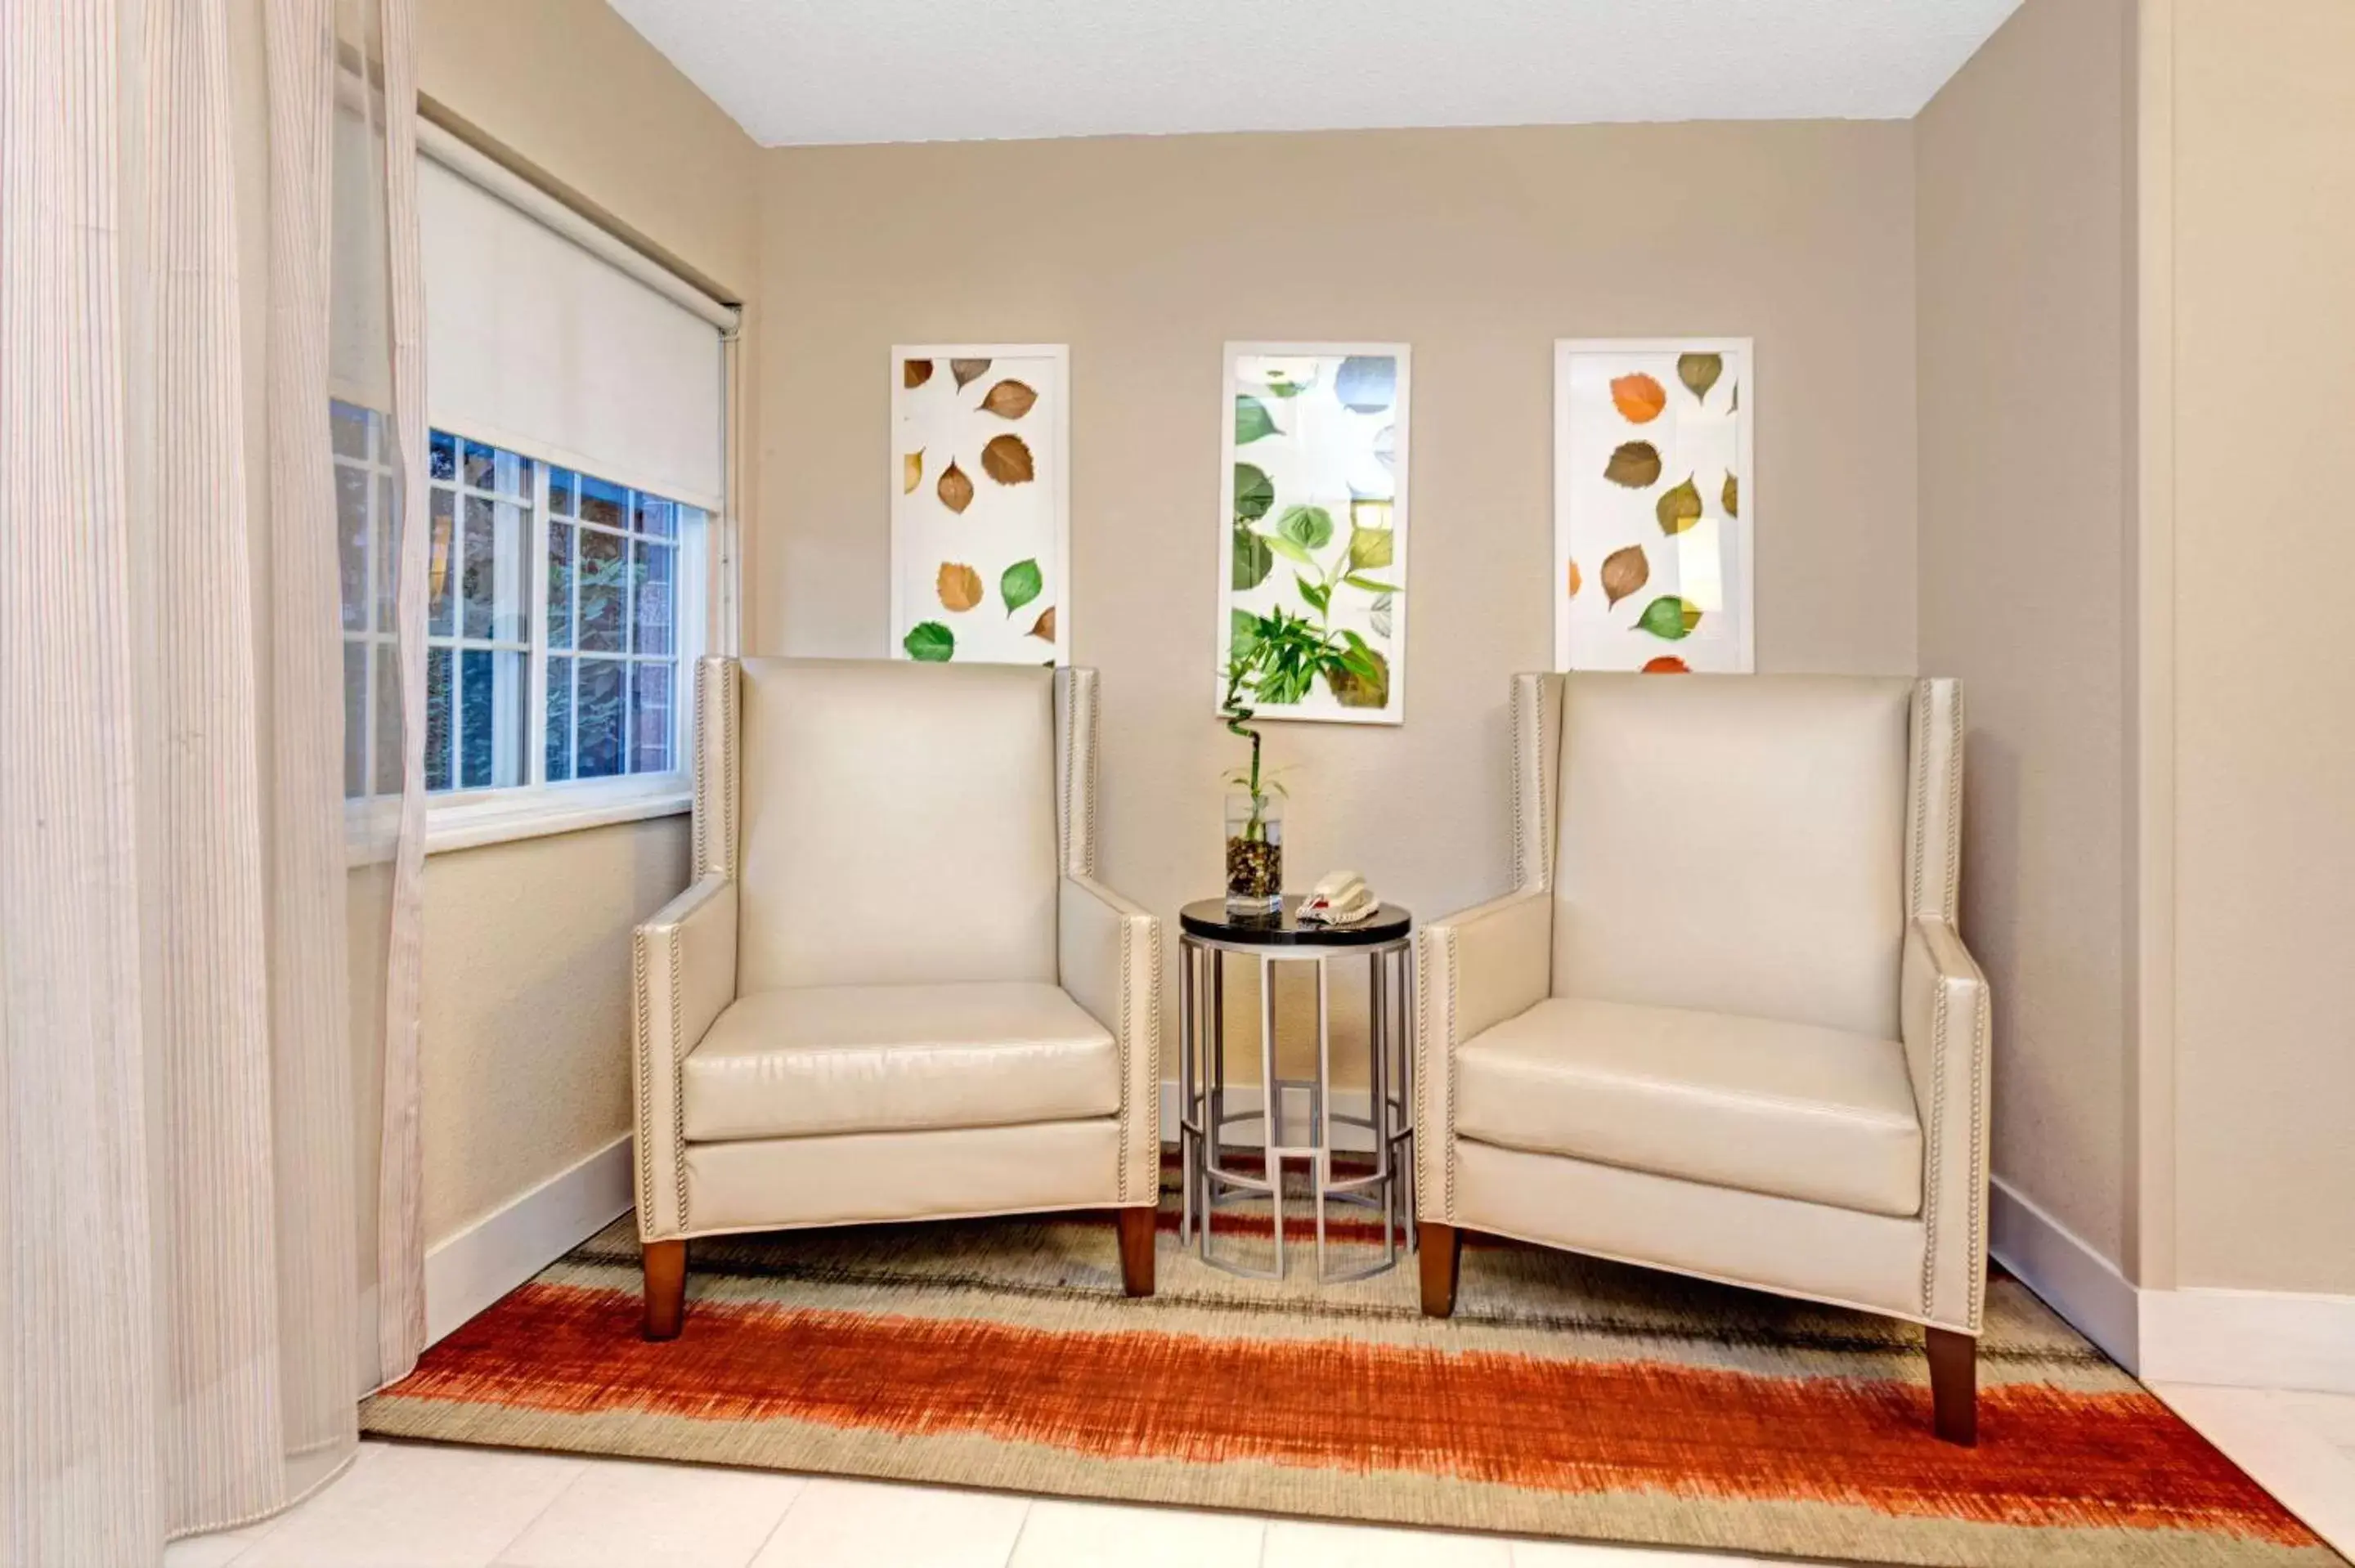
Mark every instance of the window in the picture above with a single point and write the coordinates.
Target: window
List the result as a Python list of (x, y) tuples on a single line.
[(478, 623), (572, 474), (559, 621), (562, 611), (613, 668)]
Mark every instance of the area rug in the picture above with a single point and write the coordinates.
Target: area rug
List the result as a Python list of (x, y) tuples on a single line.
[(1567, 1397)]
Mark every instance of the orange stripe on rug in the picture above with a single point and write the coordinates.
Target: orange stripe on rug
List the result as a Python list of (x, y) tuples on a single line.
[(2047, 1457)]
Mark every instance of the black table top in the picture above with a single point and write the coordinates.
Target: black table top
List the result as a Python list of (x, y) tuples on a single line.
[(1208, 918)]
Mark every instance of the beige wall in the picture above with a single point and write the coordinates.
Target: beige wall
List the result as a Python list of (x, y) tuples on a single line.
[(2263, 250), (525, 1030), (1477, 246), (2023, 196), (526, 1008), (574, 88)]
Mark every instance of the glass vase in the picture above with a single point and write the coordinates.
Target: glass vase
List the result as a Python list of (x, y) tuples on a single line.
[(1254, 854)]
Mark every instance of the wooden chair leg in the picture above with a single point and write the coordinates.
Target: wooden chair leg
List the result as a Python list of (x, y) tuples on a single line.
[(665, 1264), (1136, 1251), (1442, 1253), (1954, 1386)]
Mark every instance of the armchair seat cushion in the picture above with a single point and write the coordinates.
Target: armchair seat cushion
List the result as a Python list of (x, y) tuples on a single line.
[(898, 1058), (1787, 1109)]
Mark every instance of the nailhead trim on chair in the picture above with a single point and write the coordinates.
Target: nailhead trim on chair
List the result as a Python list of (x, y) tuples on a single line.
[(1068, 702), (639, 1010), (1080, 719), (701, 828), (1095, 761), (1950, 900), (1443, 1146), (729, 701), (677, 1080), (1532, 862), (1127, 1038), (1927, 694), (1922, 696), (1978, 1157), (1152, 1046), (1520, 718), (1934, 1144), (1919, 767)]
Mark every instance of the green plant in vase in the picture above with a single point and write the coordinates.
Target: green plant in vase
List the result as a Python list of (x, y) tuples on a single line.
[(1273, 658)]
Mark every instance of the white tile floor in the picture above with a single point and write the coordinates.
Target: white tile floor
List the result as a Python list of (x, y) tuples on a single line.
[(2299, 1446), (416, 1505)]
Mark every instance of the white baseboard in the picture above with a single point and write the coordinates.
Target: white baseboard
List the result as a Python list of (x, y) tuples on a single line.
[(465, 1272), (2249, 1339), (2064, 1268), (1245, 1100), (2238, 1339)]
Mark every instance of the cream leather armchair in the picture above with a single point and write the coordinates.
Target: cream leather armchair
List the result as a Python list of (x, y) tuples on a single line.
[(895, 989), (1724, 1026)]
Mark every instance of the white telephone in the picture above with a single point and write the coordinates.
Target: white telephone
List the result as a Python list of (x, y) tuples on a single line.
[(1341, 899)]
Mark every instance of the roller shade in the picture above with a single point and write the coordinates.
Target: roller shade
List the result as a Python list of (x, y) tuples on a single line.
[(535, 343)]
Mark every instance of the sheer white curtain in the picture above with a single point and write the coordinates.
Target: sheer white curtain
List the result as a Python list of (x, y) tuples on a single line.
[(187, 971)]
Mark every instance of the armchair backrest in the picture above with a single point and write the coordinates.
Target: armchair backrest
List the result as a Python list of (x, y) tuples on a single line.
[(1752, 845), (891, 823)]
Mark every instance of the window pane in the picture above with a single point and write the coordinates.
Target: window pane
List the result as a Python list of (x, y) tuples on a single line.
[(653, 589), (442, 602), (442, 456), (492, 587), (511, 591), (513, 476), (356, 684), (603, 592), (560, 585), (388, 760), (650, 718), (560, 490), (603, 503), (482, 464), (482, 556), (491, 718), (559, 720), (388, 553), (656, 517), (352, 541), (600, 719), (347, 428), (440, 700)]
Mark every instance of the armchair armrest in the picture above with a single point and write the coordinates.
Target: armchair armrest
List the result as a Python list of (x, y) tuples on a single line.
[(683, 974), (1945, 1015), (1474, 970), (1108, 957)]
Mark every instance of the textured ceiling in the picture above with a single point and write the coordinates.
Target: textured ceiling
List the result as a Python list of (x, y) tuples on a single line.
[(800, 71)]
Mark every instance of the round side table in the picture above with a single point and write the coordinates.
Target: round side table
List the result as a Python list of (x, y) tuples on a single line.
[(1208, 937)]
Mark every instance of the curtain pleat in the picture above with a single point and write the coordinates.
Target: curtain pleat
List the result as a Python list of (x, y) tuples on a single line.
[(77, 1456), (178, 1229), (201, 843), (401, 1206), (308, 887)]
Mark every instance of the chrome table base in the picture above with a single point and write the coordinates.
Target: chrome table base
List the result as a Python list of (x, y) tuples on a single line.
[(1211, 1126)]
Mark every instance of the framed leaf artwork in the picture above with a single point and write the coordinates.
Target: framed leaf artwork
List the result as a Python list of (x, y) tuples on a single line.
[(1653, 505), (1313, 524), (980, 503)]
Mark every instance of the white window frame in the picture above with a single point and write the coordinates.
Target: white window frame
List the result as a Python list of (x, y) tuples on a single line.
[(467, 819)]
